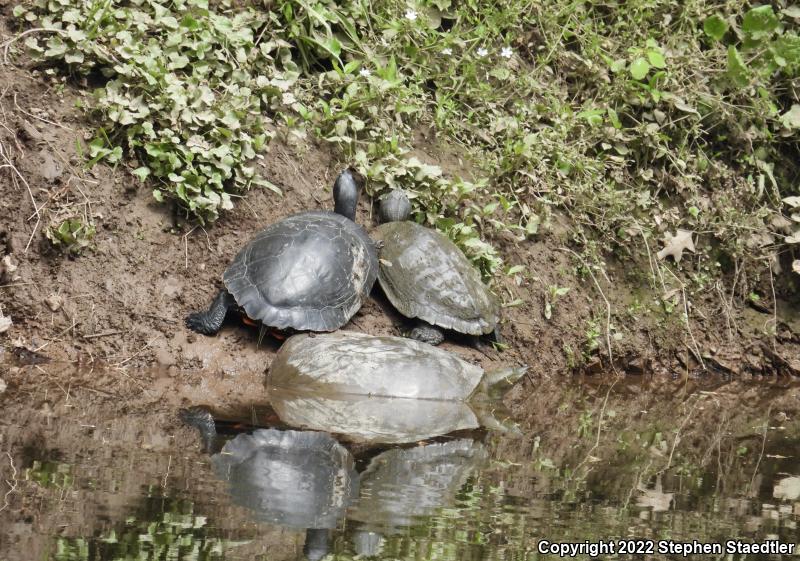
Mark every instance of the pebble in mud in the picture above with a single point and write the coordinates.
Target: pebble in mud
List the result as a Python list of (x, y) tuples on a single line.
[(54, 302), (164, 357), (8, 269), (50, 168), (5, 323), (46, 409)]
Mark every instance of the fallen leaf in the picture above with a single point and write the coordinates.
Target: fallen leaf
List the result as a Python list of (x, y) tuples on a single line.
[(675, 244), (796, 266)]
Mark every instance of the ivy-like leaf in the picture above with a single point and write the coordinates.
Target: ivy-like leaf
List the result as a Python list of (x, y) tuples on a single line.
[(737, 69), (760, 22), (639, 68), (715, 27)]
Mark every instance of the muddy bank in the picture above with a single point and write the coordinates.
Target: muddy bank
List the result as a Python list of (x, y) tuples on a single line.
[(123, 299)]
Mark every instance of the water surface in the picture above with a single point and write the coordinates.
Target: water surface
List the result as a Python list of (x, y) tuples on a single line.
[(126, 487)]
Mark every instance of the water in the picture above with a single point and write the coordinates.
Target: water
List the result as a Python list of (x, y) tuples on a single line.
[(90, 482)]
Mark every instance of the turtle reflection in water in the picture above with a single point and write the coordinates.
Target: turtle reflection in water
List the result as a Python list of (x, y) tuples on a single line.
[(306, 480), (301, 480), (402, 485), (383, 389)]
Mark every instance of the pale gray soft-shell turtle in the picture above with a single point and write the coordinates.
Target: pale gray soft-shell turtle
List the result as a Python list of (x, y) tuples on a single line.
[(382, 389), (308, 272), (403, 484), (426, 276)]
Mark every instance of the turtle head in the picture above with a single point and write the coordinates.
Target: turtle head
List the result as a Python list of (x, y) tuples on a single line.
[(345, 194), (395, 206), (201, 418)]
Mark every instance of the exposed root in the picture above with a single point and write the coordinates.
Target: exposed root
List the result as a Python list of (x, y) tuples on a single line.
[(12, 483)]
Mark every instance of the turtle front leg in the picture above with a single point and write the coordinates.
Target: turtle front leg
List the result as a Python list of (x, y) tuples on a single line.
[(427, 333), (210, 321), (490, 342)]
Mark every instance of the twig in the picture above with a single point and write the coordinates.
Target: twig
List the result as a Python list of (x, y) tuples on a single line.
[(761, 455), (13, 40), (599, 426), (166, 475), (59, 334), (104, 334), (36, 207), (655, 269), (21, 110), (137, 353), (13, 285), (677, 437), (101, 392), (774, 304), (696, 349), (186, 248)]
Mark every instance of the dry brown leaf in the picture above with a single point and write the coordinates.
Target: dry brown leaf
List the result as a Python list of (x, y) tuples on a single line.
[(675, 244), (796, 266)]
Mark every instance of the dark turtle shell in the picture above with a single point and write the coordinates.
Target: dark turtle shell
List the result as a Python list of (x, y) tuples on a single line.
[(293, 478), (426, 276), (308, 272)]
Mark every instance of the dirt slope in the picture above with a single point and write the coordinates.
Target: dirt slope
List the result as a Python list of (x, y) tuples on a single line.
[(120, 304)]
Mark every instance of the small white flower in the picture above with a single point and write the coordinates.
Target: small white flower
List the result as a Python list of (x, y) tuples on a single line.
[(411, 15), (365, 72), (447, 51), (482, 52), (506, 52)]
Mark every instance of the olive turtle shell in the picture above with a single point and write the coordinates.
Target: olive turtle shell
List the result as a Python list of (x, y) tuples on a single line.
[(308, 272), (403, 484), (426, 276)]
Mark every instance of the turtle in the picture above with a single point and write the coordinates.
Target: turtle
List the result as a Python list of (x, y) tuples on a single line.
[(308, 272), (427, 277), (297, 479), (401, 485), (383, 388)]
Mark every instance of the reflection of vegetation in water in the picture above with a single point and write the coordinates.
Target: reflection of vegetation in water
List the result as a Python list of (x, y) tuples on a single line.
[(164, 528), (686, 502), (50, 474)]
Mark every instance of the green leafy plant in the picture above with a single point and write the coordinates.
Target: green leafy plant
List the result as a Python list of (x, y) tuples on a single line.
[(50, 475), (554, 292), (71, 235), (621, 124), (186, 89)]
